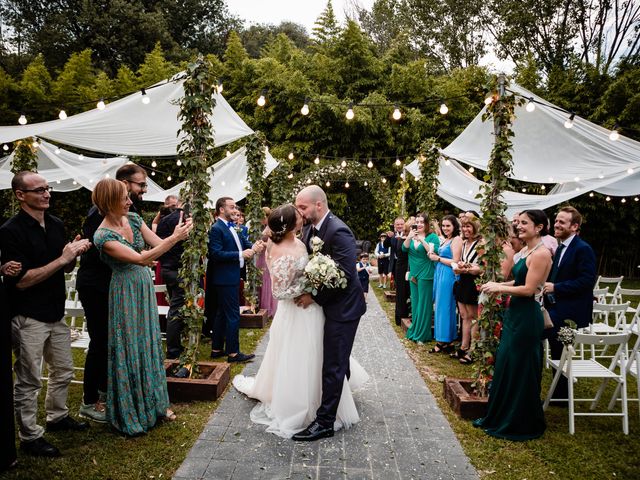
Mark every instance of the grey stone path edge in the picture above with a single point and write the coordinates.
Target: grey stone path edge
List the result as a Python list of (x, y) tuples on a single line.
[(402, 433)]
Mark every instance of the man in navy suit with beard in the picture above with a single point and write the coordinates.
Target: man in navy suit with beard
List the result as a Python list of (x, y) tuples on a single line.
[(227, 253), (569, 289), (342, 307)]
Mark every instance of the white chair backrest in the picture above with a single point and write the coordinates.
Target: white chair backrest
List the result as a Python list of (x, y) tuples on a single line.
[(592, 339), (616, 308), (609, 280), (600, 294), (631, 294)]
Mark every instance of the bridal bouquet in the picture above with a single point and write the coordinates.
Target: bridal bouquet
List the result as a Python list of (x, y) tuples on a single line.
[(321, 270)]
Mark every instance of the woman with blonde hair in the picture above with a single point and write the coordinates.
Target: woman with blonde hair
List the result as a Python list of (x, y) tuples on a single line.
[(137, 386)]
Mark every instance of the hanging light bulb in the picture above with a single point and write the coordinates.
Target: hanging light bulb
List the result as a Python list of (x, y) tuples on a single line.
[(349, 115), (569, 122), (576, 179), (75, 183), (317, 160), (58, 182), (22, 120), (447, 162), (308, 180), (346, 185), (614, 135), (608, 199), (62, 115), (81, 157), (591, 194), (305, 108), (57, 151), (328, 184), (366, 184), (531, 106), (370, 164), (471, 169), (397, 114), (402, 176), (154, 164), (629, 170), (624, 200), (228, 153), (169, 178), (384, 180), (290, 176), (489, 100), (153, 174), (636, 199), (444, 109), (261, 100), (543, 188), (398, 162), (100, 105), (145, 98), (343, 163), (524, 190), (179, 162), (5, 147), (290, 155)]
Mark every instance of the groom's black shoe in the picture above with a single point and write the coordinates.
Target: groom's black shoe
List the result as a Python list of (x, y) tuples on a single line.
[(240, 357), (315, 431)]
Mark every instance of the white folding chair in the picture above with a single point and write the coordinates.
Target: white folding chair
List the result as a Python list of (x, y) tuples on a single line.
[(574, 369), (612, 282), (631, 295), (600, 294)]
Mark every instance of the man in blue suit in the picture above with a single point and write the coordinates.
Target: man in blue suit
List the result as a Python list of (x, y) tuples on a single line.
[(227, 253), (569, 289), (342, 307)]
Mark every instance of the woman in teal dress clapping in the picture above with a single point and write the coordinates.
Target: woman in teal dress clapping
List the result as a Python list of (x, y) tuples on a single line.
[(137, 386), (515, 411), (419, 243)]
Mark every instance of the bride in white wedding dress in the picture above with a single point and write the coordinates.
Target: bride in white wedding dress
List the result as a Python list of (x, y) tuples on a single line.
[(289, 381)]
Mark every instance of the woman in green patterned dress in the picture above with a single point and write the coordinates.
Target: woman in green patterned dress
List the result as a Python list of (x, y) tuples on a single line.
[(137, 386), (419, 243)]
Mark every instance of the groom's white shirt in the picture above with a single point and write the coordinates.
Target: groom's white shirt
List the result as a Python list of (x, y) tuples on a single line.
[(319, 224)]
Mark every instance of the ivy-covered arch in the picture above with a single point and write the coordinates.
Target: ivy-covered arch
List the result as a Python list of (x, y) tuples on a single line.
[(350, 172)]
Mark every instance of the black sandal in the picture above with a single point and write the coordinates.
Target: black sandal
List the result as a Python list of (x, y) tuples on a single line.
[(466, 360), (460, 353), (438, 348)]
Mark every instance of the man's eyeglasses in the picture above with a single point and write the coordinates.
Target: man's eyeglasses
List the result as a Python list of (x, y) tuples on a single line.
[(39, 190), (140, 184)]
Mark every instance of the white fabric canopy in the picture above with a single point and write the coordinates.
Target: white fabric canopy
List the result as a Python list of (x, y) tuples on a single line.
[(128, 127), (66, 171), (544, 151), (229, 178)]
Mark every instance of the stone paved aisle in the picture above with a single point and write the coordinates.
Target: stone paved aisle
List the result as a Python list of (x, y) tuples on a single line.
[(402, 434)]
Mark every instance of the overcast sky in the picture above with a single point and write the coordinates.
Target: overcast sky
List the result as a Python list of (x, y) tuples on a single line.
[(304, 12)]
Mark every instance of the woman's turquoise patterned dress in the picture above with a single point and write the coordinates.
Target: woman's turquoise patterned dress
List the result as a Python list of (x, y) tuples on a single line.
[(137, 384), (515, 410)]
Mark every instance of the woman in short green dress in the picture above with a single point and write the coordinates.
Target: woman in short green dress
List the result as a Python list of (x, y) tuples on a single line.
[(137, 386), (419, 243), (515, 410)]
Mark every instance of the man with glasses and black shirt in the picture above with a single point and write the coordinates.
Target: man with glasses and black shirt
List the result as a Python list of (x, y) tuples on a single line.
[(92, 284), (37, 294)]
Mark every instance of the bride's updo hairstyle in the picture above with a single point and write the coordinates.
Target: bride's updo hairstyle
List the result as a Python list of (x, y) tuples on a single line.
[(282, 220)]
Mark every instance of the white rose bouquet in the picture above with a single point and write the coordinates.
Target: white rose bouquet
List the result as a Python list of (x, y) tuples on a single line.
[(322, 270)]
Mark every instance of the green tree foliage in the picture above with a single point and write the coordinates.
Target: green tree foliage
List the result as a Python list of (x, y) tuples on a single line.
[(256, 37), (35, 86), (75, 84), (326, 27), (155, 67)]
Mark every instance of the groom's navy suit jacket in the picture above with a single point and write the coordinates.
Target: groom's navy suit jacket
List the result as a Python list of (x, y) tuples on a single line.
[(340, 305), (573, 282), (224, 257)]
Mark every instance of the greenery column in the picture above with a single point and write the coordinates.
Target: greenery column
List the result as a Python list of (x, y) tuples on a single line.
[(194, 151), (256, 153), (429, 163), (502, 112)]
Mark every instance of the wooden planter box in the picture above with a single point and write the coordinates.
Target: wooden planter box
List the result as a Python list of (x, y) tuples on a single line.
[(462, 400), (390, 295), (253, 320), (210, 387), (406, 323)]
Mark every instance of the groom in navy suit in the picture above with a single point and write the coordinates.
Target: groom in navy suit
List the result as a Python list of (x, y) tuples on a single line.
[(227, 253), (569, 289), (342, 307)]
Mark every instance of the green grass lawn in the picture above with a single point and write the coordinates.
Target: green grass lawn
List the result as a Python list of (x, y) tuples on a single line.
[(102, 453), (599, 449)]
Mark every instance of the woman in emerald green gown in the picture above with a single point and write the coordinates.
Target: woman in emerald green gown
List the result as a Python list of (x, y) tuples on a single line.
[(419, 243), (515, 411), (137, 385)]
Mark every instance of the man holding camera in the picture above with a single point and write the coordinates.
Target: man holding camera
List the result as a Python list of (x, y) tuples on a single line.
[(569, 289)]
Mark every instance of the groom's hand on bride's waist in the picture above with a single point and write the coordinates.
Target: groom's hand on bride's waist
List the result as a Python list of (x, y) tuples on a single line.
[(304, 300)]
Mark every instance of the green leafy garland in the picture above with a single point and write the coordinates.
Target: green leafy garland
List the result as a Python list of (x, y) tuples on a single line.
[(429, 163), (493, 227), (256, 147), (196, 108), (281, 184)]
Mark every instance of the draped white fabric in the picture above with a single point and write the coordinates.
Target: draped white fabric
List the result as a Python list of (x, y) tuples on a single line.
[(229, 178), (544, 151), (128, 127), (66, 171)]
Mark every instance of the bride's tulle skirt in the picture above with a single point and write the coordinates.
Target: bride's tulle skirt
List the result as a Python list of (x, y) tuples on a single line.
[(289, 381)]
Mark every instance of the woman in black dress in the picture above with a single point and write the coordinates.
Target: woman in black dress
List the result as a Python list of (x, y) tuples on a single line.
[(401, 266), (7, 429)]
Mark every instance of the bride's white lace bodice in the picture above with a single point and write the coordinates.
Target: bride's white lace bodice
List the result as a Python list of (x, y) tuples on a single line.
[(287, 272)]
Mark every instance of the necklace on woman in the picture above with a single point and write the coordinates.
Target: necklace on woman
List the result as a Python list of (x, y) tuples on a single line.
[(532, 250)]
